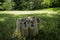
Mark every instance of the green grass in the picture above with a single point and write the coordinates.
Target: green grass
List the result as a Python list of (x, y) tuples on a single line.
[(47, 10), (49, 26)]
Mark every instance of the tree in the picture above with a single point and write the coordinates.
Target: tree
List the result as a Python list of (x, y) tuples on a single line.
[(8, 4), (56, 3), (27, 4), (1, 2), (51, 3)]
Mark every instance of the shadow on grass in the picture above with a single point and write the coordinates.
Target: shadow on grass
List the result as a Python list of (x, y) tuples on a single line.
[(49, 26)]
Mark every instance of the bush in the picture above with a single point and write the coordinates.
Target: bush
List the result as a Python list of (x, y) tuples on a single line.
[(8, 5)]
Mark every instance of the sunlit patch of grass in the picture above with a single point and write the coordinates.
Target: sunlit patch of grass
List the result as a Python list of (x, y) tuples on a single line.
[(48, 10), (2, 19)]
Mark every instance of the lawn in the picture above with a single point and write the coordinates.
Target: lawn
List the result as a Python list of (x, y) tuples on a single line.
[(49, 26), (48, 10)]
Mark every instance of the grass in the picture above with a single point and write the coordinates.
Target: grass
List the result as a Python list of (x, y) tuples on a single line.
[(49, 26), (48, 10)]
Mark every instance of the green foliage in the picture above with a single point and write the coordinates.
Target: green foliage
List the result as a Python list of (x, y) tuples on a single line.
[(49, 27), (8, 5), (56, 3), (28, 4), (51, 3), (1, 2)]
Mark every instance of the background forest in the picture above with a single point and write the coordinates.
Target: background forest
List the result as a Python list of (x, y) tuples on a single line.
[(28, 4)]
